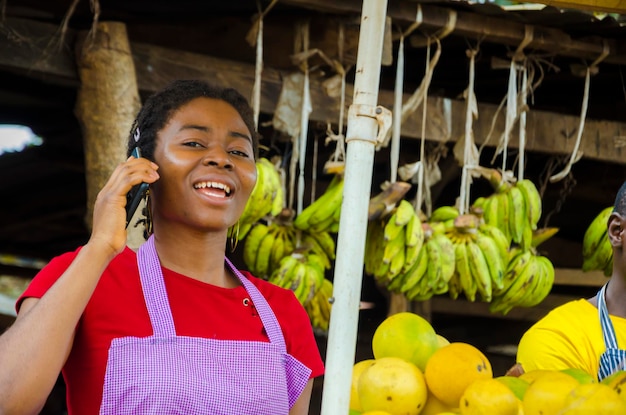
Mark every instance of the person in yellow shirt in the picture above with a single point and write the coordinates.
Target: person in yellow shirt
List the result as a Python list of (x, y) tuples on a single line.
[(589, 334)]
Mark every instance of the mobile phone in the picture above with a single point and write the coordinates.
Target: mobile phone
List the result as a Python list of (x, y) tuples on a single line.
[(138, 192)]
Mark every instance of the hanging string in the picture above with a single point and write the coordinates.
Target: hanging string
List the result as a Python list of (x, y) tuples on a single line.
[(304, 119), (397, 112), (420, 173), (258, 69), (576, 155), (522, 124), (470, 113)]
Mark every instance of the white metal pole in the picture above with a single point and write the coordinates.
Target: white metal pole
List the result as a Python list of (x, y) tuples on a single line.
[(361, 145)]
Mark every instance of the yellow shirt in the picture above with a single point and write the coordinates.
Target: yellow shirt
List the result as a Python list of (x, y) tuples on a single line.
[(568, 337)]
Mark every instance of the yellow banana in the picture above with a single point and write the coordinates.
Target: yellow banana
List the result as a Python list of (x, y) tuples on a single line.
[(447, 255), (514, 269), (495, 262), (393, 248), (414, 233), (373, 245), (392, 229), (443, 213), (272, 173), (480, 271), (327, 204), (262, 260), (517, 214), (326, 243), (397, 263), (533, 201), (435, 261), (300, 284), (491, 211), (454, 286), (545, 273), (252, 243), (283, 274), (510, 297), (404, 212), (278, 248), (416, 272), (504, 214), (498, 237)]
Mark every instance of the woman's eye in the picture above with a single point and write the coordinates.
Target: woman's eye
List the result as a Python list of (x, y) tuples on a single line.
[(240, 153), (192, 144)]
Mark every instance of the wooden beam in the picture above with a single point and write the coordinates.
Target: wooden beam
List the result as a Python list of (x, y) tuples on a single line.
[(547, 132), (608, 6), (487, 28)]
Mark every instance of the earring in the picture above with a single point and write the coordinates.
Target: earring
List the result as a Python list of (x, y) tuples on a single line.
[(148, 214), (233, 236)]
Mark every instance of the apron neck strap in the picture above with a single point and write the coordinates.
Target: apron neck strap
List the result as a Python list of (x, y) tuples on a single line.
[(610, 340)]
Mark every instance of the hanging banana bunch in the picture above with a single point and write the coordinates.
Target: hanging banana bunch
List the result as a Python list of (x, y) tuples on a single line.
[(266, 245), (513, 208), (479, 261), (431, 272), (300, 272), (528, 278), (323, 214), (597, 251), (393, 244), (320, 306), (267, 197)]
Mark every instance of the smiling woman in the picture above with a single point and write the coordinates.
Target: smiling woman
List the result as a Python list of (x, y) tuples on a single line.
[(16, 138), (174, 327)]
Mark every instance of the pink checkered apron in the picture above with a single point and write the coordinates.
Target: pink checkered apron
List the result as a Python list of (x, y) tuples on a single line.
[(169, 374)]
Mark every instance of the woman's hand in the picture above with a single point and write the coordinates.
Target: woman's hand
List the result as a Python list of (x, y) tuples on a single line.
[(109, 214)]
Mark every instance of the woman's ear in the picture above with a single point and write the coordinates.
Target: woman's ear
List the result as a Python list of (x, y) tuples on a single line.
[(616, 225)]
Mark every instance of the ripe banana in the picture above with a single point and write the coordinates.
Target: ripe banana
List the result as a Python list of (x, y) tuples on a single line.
[(480, 271), (517, 214), (463, 272), (252, 243), (493, 258), (533, 201)]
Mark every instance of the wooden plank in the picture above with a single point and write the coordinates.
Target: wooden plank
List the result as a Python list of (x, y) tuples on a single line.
[(485, 28), (547, 132), (446, 305), (609, 6), (576, 277)]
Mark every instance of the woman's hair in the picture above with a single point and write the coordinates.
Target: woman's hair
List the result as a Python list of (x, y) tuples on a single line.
[(158, 108)]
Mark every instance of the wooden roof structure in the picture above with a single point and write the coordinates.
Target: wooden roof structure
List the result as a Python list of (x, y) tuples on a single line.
[(43, 188)]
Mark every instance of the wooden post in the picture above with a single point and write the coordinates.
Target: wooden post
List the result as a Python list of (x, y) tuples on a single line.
[(106, 105)]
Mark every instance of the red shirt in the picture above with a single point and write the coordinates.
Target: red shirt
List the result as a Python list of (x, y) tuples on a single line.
[(117, 309)]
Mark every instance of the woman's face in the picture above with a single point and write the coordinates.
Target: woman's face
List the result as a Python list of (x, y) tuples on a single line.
[(206, 166)]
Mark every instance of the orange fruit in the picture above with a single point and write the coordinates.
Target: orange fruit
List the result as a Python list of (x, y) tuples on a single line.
[(488, 397), (434, 406), (407, 336), (394, 385), (452, 368), (357, 370), (593, 398), (546, 394)]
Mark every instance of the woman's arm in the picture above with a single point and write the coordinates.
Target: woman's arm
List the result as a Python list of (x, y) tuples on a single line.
[(301, 407), (34, 349)]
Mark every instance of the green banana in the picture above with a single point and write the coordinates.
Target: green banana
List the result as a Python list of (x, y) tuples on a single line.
[(545, 272), (447, 256), (262, 259), (443, 214), (414, 233), (480, 271), (252, 243), (517, 214), (599, 259), (462, 270), (533, 201), (492, 255), (596, 232), (498, 237), (416, 272), (504, 214), (392, 229)]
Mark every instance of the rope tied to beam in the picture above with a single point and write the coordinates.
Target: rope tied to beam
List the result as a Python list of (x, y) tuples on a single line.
[(576, 154)]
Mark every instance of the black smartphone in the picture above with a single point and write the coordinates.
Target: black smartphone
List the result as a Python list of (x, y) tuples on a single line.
[(138, 192)]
